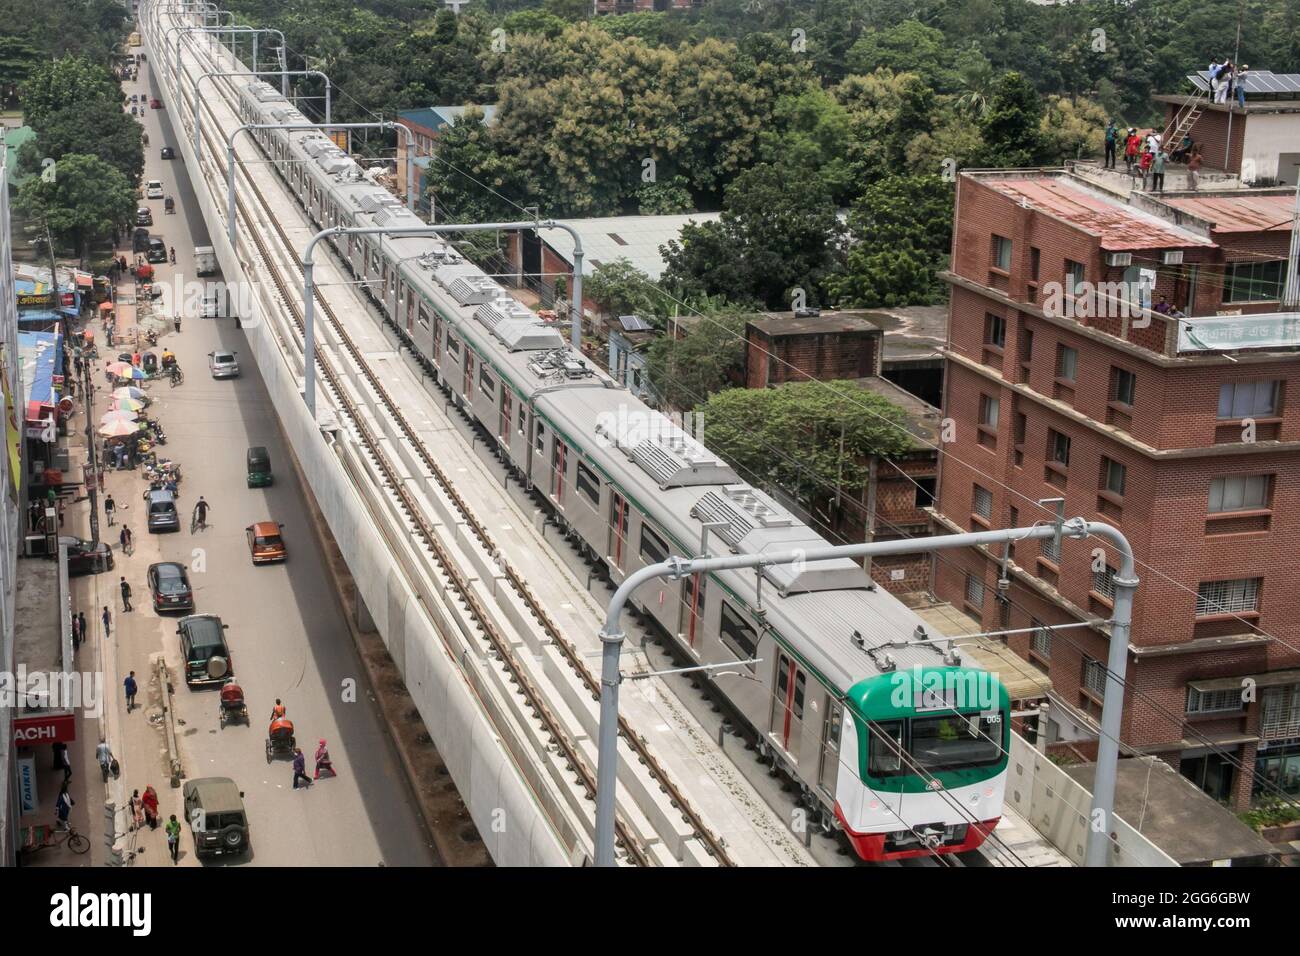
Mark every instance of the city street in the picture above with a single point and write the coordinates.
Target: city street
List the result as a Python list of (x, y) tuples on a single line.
[(288, 635)]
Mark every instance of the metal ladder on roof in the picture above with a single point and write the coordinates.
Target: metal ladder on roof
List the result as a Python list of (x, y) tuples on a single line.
[(1183, 120)]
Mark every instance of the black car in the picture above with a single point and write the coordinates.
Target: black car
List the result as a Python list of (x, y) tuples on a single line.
[(168, 153), (170, 587), (140, 241), (87, 558), (203, 647), (157, 250)]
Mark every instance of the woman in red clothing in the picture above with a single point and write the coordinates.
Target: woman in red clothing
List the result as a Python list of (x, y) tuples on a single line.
[(1131, 149), (150, 804)]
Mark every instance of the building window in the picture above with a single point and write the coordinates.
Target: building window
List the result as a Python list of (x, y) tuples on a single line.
[(588, 484), (1254, 281), (1067, 362), (1051, 549), (1034, 258), (737, 634), (1124, 387), (1075, 274), (1001, 253), (1103, 582), (925, 492), (1258, 399), (1040, 640), (1114, 476), (653, 548), (1213, 701), (1058, 448), (1094, 676), (1239, 493), (1280, 712), (995, 330), (974, 590), (989, 412), (982, 502), (1227, 597)]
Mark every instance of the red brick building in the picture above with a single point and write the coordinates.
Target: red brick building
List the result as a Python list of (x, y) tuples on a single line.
[(1183, 433), (784, 347)]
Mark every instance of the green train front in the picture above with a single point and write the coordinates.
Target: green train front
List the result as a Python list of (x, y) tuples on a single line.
[(924, 761)]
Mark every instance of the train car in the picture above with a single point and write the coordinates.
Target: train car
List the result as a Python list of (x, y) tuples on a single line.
[(888, 734)]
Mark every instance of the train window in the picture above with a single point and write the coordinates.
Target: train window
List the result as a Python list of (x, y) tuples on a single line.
[(653, 548), (392, 282), (523, 419), (828, 769), (423, 316), (737, 634), (488, 383), (453, 346), (374, 262), (437, 334), (886, 752), (539, 438), (955, 741), (588, 483), (799, 683)]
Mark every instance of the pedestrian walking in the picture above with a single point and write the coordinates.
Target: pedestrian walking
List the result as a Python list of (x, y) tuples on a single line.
[(177, 320), (63, 807), (300, 768), (34, 512), (110, 508), (1112, 140), (1194, 170), (126, 595), (1144, 166), (150, 804), (200, 517), (137, 810), (61, 761), (81, 620), (1158, 171), (131, 687), (1131, 148), (105, 757), (173, 837), (76, 634), (323, 761), (128, 541), (107, 618)]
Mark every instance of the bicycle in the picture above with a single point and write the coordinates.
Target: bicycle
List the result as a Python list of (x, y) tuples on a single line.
[(39, 837), (177, 376)]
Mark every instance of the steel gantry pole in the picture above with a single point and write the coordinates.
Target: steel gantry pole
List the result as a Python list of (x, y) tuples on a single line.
[(291, 127), (308, 264), (216, 32), (198, 117), (675, 568)]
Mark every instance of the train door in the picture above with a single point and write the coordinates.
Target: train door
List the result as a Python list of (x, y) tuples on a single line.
[(828, 771), (693, 588), (468, 390), (788, 693), (558, 462), (617, 529), (503, 426)]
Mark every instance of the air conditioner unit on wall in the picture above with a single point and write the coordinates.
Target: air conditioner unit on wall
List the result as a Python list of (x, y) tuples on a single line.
[(1119, 258), (1172, 258)]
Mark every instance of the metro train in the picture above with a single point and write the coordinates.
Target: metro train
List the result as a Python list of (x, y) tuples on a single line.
[(889, 736)]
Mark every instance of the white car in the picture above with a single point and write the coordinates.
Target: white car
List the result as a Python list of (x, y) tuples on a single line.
[(153, 189), (223, 365)]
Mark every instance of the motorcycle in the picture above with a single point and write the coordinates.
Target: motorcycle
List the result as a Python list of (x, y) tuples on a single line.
[(155, 426), (151, 336)]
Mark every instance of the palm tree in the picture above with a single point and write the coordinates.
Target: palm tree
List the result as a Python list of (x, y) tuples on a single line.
[(977, 81)]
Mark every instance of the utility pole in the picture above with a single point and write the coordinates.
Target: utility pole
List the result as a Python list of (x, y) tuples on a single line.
[(1236, 52)]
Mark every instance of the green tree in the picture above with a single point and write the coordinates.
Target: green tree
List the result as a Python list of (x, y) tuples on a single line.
[(770, 240), (98, 128), (86, 200), (468, 180), (790, 436), (1011, 126), (908, 47), (685, 371), (620, 288), (63, 84)]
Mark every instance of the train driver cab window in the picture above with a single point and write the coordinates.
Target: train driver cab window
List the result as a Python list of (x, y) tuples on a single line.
[(653, 548), (737, 634), (885, 756)]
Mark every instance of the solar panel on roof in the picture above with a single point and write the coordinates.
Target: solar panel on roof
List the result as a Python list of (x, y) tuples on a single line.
[(634, 323)]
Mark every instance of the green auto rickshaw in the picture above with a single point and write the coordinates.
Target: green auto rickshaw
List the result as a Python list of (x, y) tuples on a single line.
[(259, 467)]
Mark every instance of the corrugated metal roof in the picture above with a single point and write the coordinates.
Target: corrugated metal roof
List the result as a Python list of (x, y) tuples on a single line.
[(635, 238), (1117, 225), (1241, 213)]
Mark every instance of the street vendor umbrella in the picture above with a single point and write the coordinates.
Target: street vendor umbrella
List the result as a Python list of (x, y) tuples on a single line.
[(129, 391), (125, 370), (128, 405), (117, 417), (119, 428)]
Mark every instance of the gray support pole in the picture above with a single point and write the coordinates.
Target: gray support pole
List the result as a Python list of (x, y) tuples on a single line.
[(230, 193), (1101, 819), (675, 568), (575, 330), (309, 328), (253, 66), (327, 98)]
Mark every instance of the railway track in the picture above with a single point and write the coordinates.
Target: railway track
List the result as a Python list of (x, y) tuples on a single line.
[(424, 530)]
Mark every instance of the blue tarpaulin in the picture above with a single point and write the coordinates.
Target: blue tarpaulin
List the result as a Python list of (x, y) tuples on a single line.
[(42, 358)]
